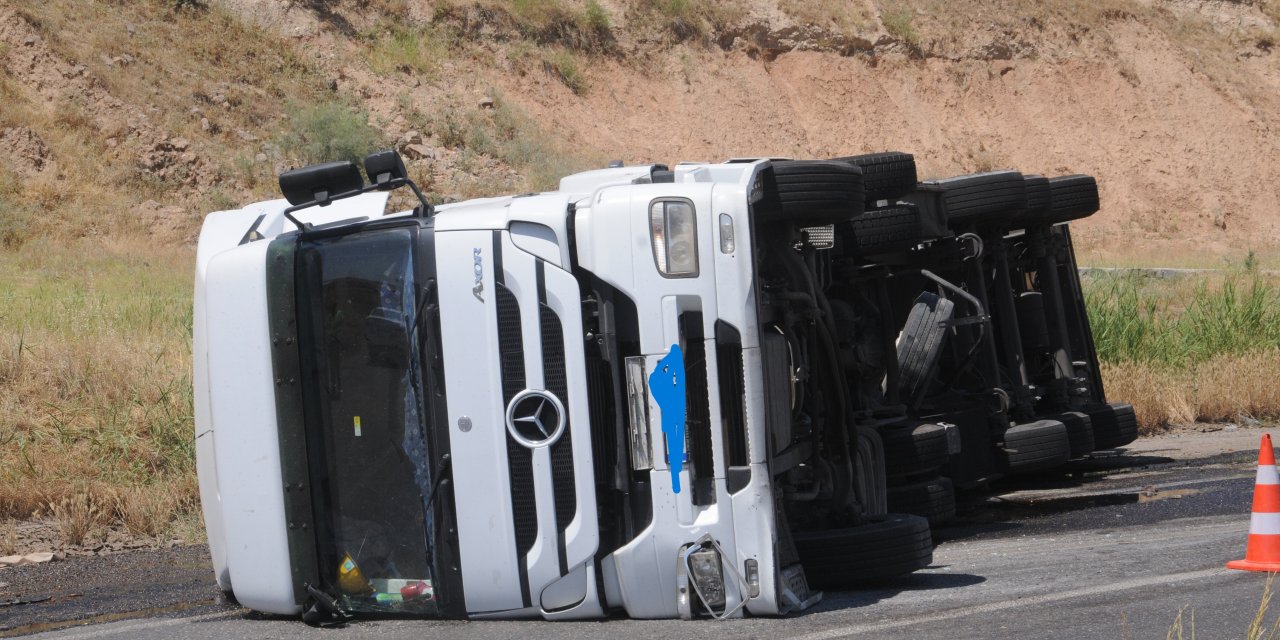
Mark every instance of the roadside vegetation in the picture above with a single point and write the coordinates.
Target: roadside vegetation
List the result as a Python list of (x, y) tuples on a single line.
[(95, 387), (1202, 347), (1184, 623)]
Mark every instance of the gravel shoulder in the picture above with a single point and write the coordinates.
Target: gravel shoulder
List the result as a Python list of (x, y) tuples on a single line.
[(89, 590)]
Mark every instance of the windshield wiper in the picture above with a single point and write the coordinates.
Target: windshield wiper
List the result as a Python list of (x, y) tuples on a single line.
[(446, 471)]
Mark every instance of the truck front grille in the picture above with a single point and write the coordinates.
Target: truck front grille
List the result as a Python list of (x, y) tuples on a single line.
[(524, 507), (553, 372), (526, 465)]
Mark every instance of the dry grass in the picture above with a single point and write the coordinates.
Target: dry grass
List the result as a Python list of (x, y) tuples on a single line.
[(8, 538), (251, 67), (184, 66), (1258, 625), (957, 27), (1225, 388), (79, 517), (844, 18), (95, 391), (146, 511), (1176, 630), (1184, 623)]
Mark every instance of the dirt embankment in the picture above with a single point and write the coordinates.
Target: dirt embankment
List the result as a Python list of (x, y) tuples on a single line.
[(1183, 141), (1172, 104)]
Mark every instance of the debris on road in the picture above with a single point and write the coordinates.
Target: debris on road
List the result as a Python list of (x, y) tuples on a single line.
[(14, 603), (30, 558)]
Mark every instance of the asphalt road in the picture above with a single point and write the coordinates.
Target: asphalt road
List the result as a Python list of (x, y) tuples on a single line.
[(1094, 557)]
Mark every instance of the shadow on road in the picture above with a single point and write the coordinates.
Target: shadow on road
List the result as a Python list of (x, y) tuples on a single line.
[(872, 594)]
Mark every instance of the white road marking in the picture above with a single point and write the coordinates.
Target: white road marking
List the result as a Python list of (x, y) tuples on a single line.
[(993, 607)]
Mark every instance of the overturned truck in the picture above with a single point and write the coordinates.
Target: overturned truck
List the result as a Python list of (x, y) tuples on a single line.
[(697, 391)]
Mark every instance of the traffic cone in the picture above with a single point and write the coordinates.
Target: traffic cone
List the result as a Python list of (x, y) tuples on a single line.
[(1263, 552)]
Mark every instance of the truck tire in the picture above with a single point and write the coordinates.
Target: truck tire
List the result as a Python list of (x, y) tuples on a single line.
[(1038, 201), (934, 500), (1114, 424), (1073, 197), (920, 344), (1035, 446), (1039, 194), (1079, 431), (913, 449), (1070, 198), (884, 547), (885, 176), (992, 198), (818, 191), (889, 229)]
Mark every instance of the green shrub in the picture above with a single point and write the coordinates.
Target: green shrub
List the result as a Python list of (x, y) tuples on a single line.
[(15, 224), (680, 17), (449, 131), (408, 51), (596, 18), (545, 22), (565, 67), (327, 131), (898, 22), (1184, 321), (16, 215)]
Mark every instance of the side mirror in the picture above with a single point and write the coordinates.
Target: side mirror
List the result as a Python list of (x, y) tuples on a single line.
[(320, 183), (386, 169)]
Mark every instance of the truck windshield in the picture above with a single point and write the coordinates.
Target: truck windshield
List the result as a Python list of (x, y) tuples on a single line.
[(373, 468)]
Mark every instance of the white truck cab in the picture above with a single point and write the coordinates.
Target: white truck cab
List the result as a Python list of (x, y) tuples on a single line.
[(661, 391)]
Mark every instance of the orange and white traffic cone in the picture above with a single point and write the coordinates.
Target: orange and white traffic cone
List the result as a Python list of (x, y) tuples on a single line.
[(1263, 552)]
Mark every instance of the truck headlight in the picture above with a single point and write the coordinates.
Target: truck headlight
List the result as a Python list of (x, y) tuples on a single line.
[(673, 230)]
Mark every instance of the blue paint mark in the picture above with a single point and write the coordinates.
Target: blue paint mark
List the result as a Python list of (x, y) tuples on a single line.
[(666, 383)]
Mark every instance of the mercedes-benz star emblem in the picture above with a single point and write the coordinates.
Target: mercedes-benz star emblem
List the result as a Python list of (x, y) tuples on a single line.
[(535, 418)]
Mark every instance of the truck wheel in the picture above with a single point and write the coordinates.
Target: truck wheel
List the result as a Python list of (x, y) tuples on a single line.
[(1073, 197), (811, 191), (1035, 446), (913, 449), (1079, 431), (1038, 201), (885, 176), (1114, 424), (889, 229), (884, 547), (920, 344), (977, 199), (1039, 194), (933, 500)]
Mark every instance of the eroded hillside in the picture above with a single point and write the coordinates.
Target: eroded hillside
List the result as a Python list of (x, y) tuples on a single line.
[(133, 117)]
